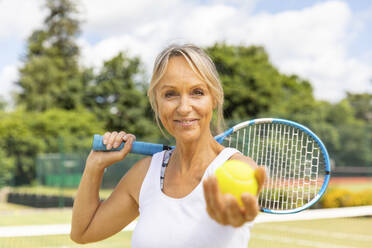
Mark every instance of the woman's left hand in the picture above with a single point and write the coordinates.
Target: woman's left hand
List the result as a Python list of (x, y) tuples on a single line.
[(224, 208)]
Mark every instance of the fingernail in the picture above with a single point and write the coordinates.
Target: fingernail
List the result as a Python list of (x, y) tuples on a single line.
[(108, 146), (116, 144), (125, 137)]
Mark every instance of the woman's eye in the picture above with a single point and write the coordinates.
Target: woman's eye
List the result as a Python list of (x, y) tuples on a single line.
[(169, 94), (198, 92)]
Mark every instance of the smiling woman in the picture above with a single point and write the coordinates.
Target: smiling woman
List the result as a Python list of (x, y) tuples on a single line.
[(174, 192), (198, 69), (184, 102)]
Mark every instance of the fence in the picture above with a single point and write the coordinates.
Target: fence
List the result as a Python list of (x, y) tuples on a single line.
[(65, 170)]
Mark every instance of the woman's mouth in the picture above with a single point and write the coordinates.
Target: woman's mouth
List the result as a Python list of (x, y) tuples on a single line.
[(186, 123)]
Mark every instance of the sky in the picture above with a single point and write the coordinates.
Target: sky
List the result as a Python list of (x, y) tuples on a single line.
[(325, 42)]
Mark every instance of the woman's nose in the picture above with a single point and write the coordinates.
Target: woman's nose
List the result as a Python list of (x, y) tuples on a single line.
[(184, 106)]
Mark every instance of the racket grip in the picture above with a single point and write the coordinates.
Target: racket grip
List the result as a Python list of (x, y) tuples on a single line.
[(137, 147)]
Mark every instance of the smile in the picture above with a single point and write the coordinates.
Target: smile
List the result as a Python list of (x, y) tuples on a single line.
[(186, 123)]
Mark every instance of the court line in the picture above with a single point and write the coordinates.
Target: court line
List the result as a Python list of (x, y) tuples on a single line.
[(37, 230), (299, 242), (319, 233), (328, 213)]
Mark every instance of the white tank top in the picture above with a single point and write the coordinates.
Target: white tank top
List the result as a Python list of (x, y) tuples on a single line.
[(182, 222)]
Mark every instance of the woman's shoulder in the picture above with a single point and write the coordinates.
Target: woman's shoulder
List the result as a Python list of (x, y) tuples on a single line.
[(133, 179), (141, 167)]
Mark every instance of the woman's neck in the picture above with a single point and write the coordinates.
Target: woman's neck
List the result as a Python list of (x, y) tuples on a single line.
[(195, 154)]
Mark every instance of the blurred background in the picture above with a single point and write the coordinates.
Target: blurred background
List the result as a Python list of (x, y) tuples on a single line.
[(70, 69)]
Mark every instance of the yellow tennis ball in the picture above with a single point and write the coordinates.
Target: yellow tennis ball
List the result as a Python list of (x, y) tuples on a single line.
[(236, 177)]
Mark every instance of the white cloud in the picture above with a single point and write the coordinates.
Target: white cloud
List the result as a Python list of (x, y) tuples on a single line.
[(113, 17), (312, 42), (18, 18), (8, 75)]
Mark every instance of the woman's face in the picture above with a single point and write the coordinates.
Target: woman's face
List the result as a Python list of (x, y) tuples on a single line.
[(184, 101)]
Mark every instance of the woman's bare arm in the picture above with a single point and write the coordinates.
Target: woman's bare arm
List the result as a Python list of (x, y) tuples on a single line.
[(93, 220)]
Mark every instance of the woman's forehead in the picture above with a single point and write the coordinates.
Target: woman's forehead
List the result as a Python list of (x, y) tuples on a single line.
[(179, 71)]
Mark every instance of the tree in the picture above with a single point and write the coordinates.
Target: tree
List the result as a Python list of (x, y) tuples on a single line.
[(23, 135), (347, 138), (50, 76), (253, 87), (3, 104), (362, 105), (117, 95)]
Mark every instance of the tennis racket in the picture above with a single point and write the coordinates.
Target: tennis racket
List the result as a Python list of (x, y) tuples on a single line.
[(296, 161)]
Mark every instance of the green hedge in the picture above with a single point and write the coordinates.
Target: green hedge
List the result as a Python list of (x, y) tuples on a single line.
[(340, 197)]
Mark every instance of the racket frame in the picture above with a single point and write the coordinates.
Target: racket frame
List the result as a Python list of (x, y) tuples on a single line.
[(145, 148), (327, 170)]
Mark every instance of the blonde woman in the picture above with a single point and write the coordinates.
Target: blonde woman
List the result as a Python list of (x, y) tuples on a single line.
[(174, 193)]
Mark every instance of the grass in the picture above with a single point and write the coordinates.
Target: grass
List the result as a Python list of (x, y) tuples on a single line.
[(120, 240), (348, 232), (342, 232), (11, 207), (29, 216)]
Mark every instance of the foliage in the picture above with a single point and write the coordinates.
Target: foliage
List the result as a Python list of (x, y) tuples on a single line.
[(25, 134), (117, 95), (52, 82), (339, 197), (50, 76), (253, 87), (362, 105), (348, 139), (3, 103), (6, 169)]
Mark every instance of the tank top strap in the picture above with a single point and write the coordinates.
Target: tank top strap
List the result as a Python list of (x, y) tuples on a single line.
[(149, 185), (221, 158)]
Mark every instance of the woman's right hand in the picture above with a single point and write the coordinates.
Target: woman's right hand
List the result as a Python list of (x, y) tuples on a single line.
[(101, 160)]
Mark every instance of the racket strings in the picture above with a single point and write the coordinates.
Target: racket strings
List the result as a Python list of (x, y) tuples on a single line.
[(292, 160)]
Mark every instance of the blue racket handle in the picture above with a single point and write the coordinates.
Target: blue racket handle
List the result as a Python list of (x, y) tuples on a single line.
[(137, 147)]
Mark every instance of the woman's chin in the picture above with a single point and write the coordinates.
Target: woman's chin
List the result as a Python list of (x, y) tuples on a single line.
[(188, 136)]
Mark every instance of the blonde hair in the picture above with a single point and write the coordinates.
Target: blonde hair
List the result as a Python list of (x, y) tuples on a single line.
[(202, 65)]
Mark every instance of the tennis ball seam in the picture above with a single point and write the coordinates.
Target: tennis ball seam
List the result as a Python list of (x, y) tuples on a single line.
[(228, 174)]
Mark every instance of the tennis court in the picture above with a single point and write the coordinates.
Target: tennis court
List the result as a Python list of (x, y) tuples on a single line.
[(312, 228)]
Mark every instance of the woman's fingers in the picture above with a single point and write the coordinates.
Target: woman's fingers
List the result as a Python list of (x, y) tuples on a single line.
[(208, 199), (215, 205), (260, 174), (251, 207), (110, 140), (235, 215), (118, 139), (114, 139), (106, 137), (224, 208), (128, 139)]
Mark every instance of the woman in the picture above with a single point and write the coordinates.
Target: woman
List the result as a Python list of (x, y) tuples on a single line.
[(175, 193)]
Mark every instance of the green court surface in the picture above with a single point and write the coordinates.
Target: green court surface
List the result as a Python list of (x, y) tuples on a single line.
[(324, 233), (120, 240), (35, 217)]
